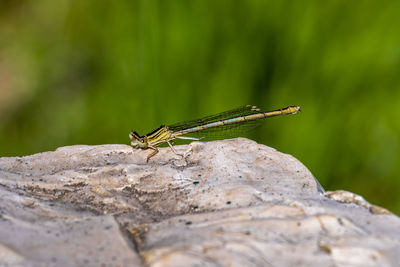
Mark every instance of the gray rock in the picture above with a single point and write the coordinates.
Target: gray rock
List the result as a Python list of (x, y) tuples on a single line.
[(231, 202)]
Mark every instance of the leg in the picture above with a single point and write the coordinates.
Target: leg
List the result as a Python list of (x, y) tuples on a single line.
[(155, 151), (173, 149)]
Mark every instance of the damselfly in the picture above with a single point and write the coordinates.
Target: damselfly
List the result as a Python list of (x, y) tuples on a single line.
[(221, 121)]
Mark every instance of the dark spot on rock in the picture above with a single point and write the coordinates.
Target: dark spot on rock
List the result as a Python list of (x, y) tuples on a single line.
[(188, 223), (247, 232), (228, 202), (298, 223), (108, 227), (196, 182)]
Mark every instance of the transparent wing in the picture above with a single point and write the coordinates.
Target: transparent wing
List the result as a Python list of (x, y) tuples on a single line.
[(228, 131), (230, 114)]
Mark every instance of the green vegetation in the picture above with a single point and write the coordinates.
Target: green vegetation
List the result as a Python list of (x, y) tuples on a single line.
[(87, 72)]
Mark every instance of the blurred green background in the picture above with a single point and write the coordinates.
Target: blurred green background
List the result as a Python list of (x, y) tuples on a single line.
[(88, 72)]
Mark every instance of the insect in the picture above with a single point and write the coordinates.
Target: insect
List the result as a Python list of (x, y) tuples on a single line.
[(221, 121)]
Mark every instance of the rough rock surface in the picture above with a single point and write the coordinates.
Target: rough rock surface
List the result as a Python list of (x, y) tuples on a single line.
[(226, 203)]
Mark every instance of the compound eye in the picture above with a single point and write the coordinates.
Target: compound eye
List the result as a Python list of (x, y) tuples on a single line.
[(134, 135)]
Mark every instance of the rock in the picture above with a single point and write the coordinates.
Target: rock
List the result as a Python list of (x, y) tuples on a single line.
[(231, 202)]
